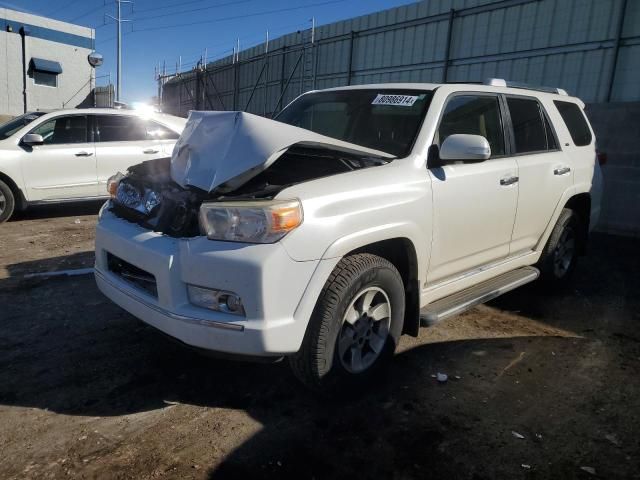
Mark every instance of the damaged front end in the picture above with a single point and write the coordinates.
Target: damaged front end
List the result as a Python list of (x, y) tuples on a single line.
[(229, 157)]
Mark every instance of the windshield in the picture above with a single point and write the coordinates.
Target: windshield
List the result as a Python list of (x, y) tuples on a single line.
[(383, 119), (12, 126)]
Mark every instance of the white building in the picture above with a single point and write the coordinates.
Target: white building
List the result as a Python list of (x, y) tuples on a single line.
[(43, 63)]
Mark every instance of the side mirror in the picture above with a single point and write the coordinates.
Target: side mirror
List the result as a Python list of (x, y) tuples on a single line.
[(32, 139), (465, 148)]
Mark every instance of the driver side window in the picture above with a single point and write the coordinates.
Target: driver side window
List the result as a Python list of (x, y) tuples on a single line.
[(63, 130), (474, 115)]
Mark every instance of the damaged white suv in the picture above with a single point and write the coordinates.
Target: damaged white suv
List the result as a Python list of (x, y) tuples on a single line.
[(355, 215)]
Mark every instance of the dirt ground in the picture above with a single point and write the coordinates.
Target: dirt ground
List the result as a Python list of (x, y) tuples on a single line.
[(541, 386)]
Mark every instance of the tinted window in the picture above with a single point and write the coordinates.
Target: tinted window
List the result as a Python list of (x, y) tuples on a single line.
[(63, 130), (575, 121), (120, 128), (386, 120), (12, 126), (156, 131), (474, 115), (528, 126), (45, 78)]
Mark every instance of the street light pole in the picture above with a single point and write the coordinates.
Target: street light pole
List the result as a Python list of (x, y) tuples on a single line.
[(119, 21)]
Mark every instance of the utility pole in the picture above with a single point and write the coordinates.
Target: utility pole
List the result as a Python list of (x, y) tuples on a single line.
[(119, 21)]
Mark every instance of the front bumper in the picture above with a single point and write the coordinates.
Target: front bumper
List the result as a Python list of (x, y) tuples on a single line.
[(277, 292)]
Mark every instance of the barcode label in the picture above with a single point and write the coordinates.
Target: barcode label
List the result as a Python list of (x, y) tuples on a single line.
[(396, 100)]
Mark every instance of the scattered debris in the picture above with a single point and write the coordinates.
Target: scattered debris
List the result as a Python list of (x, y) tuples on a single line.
[(442, 377), (613, 439), (589, 470), (517, 435), (433, 375), (77, 221), (457, 377), (512, 363), (539, 436), (525, 466)]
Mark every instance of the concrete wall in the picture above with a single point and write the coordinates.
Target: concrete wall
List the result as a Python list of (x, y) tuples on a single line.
[(617, 127), (49, 39)]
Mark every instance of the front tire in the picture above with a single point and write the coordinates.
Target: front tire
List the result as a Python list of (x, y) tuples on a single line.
[(7, 202), (560, 255), (355, 326)]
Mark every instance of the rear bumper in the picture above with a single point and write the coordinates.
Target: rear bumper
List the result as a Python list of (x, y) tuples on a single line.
[(277, 292)]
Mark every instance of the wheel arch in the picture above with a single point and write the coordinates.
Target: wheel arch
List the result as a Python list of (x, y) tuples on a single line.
[(21, 202), (581, 206), (401, 252)]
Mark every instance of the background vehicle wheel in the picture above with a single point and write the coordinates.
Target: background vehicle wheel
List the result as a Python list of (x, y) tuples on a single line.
[(560, 254), (355, 326), (7, 202)]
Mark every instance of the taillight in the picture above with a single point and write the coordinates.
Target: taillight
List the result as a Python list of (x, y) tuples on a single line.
[(602, 157)]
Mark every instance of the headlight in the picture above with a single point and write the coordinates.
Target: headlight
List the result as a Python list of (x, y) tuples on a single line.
[(112, 183), (251, 221)]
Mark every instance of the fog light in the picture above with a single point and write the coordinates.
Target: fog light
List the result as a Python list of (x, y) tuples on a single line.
[(218, 300)]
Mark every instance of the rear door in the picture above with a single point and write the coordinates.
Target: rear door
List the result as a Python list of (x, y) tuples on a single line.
[(64, 166), (544, 170), (166, 137), (122, 141), (474, 204)]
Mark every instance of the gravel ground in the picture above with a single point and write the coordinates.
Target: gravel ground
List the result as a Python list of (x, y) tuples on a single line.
[(541, 386)]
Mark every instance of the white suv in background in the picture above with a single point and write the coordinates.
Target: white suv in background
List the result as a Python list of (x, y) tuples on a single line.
[(355, 215), (68, 155)]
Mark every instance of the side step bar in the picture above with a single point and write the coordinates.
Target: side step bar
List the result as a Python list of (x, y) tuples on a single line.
[(472, 296)]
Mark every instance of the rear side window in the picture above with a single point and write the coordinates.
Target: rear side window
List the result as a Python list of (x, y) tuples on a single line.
[(120, 128), (155, 131), (474, 115), (531, 131), (575, 121)]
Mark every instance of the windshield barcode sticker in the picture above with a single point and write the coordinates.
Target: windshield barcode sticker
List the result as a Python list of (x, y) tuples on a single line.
[(397, 100)]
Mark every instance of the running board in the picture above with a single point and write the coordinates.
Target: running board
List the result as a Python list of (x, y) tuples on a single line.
[(472, 296)]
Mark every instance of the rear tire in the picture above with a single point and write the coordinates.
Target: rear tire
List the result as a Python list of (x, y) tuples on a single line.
[(355, 326), (560, 255), (7, 202)]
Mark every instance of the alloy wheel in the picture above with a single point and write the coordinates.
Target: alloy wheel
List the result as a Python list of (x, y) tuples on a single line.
[(564, 252), (365, 328)]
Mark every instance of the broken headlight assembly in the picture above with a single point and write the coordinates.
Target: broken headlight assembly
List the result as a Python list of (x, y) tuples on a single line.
[(264, 221), (139, 198)]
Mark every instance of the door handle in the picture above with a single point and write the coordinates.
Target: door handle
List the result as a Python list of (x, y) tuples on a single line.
[(508, 181), (150, 150), (561, 170), (84, 154)]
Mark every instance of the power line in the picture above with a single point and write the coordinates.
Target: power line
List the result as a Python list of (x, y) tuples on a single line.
[(236, 2), (177, 4), (235, 17), (88, 12), (58, 9)]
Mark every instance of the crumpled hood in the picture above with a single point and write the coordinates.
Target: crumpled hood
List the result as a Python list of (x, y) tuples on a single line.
[(223, 150)]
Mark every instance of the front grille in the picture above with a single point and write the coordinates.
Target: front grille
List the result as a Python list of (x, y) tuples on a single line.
[(133, 275)]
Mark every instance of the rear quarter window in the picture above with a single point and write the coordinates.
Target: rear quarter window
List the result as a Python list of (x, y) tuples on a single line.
[(576, 122)]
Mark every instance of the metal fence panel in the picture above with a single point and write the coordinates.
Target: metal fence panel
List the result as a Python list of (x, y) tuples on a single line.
[(571, 44)]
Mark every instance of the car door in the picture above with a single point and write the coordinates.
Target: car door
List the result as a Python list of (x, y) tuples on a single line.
[(64, 166), (122, 141), (543, 169), (163, 136), (474, 204)]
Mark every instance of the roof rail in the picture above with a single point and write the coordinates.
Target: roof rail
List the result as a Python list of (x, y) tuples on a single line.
[(500, 82)]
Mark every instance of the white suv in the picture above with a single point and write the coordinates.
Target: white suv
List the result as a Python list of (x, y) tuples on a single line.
[(357, 214), (67, 155)]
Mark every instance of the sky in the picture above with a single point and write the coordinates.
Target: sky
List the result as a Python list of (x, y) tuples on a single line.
[(164, 30)]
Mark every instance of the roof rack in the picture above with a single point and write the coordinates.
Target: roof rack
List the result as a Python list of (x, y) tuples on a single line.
[(500, 82)]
